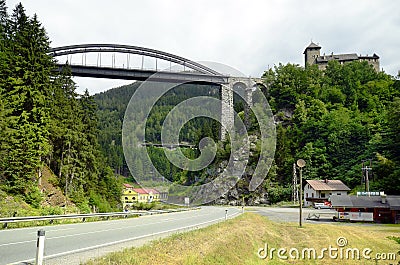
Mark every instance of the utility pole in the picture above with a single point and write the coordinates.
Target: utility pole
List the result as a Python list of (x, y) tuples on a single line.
[(295, 190), (365, 170)]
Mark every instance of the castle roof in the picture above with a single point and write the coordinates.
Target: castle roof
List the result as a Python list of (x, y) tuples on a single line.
[(374, 56), (312, 46), (337, 57)]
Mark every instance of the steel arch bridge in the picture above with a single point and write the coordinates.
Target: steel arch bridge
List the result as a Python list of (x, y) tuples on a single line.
[(196, 72)]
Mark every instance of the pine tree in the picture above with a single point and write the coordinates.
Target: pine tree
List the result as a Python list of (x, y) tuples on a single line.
[(3, 37), (26, 84), (3, 66), (64, 129), (3, 18)]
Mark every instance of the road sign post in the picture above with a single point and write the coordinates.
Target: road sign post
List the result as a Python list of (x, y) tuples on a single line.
[(40, 247), (187, 201)]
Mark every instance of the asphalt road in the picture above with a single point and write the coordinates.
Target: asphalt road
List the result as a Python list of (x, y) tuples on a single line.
[(281, 214), (75, 243)]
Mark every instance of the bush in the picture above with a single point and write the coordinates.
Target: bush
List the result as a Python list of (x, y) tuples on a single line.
[(144, 206), (101, 204), (33, 196), (278, 193), (83, 207), (50, 210)]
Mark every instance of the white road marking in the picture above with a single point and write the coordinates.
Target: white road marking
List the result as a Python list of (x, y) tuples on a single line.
[(100, 231), (54, 230), (16, 243), (125, 227), (126, 240)]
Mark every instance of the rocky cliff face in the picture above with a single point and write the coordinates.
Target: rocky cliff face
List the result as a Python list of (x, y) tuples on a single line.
[(240, 194)]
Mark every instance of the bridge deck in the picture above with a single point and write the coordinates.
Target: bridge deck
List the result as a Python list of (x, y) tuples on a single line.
[(142, 75)]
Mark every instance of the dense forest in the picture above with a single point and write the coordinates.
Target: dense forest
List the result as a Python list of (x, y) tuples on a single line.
[(335, 119), (45, 124), (112, 105)]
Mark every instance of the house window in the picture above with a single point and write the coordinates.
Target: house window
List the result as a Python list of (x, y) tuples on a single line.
[(126, 198), (133, 198), (312, 195), (339, 193), (322, 195), (130, 191), (306, 195)]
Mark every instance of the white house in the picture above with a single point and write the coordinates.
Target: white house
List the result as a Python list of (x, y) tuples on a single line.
[(319, 190)]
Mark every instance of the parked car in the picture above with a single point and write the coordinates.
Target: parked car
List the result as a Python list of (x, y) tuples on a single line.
[(322, 205)]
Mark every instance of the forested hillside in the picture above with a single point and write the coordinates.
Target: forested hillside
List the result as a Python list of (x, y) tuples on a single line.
[(111, 110), (44, 122), (334, 119)]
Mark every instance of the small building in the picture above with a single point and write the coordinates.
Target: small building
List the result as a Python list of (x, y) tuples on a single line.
[(312, 55), (132, 195), (147, 195), (320, 190), (129, 196), (379, 208)]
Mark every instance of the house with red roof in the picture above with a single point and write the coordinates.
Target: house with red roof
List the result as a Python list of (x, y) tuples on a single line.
[(132, 195), (147, 195), (317, 190)]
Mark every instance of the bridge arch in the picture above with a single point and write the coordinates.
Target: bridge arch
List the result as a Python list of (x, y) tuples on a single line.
[(200, 73), (118, 48)]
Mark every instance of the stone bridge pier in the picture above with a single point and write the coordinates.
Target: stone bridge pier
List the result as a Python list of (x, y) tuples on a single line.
[(242, 86)]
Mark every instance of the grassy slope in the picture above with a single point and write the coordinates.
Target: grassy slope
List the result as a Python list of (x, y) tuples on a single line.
[(237, 241), (52, 204)]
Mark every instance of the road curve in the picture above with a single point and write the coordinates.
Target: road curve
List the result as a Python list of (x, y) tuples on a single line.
[(18, 246)]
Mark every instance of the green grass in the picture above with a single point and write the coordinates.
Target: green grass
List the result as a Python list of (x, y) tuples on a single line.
[(237, 241), (14, 206)]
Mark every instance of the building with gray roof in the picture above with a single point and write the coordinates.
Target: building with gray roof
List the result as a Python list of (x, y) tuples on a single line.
[(383, 208), (312, 55)]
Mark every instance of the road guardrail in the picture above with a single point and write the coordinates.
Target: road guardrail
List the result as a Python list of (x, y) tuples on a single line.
[(6, 220)]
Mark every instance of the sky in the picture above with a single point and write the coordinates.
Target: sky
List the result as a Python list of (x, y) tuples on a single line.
[(250, 36)]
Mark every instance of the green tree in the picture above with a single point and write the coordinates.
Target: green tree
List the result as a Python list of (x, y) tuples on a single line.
[(393, 134), (25, 83)]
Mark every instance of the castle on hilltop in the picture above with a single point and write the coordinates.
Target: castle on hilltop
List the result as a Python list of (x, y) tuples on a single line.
[(312, 55)]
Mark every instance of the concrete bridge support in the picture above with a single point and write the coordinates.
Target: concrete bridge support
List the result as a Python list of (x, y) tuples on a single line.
[(227, 117), (242, 86)]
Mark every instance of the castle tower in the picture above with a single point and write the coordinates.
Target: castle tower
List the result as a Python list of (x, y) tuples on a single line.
[(311, 53)]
